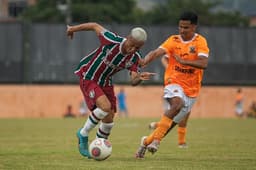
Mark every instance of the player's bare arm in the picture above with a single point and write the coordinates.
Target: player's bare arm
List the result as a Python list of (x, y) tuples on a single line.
[(165, 61), (90, 26), (137, 78), (152, 55), (201, 62)]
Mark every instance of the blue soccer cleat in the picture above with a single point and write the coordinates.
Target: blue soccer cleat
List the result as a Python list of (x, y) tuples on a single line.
[(83, 144)]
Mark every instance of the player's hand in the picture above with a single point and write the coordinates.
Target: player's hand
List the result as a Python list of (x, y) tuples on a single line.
[(146, 75), (70, 33), (143, 63), (179, 59)]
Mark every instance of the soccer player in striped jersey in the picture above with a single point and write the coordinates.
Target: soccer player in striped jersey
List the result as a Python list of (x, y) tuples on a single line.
[(96, 70), (187, 55)]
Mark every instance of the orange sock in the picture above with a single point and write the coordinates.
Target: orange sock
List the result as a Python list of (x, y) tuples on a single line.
[(149, 139), (181, 135), (158, 134)]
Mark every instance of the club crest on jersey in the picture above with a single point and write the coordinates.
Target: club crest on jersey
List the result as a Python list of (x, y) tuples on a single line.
[(108, 52), (128, 64), (92, 94), (192, 49)]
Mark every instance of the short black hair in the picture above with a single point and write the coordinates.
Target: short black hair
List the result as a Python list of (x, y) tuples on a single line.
[(189, 16)]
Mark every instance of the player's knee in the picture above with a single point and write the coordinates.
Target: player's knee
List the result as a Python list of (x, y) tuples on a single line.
[(182, 123), (106, 107), (109, 118), (100, 114)]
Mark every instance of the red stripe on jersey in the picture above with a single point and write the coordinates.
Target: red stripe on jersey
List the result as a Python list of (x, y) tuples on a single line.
[(103, 66)]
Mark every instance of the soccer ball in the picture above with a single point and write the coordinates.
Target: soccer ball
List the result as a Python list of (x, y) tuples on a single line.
[(100, 149)]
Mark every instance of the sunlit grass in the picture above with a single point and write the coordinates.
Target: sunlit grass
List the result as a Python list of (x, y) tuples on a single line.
[(43, 144)]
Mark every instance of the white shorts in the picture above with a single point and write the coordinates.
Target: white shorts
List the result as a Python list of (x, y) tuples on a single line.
[(239, 109), (175, 90)]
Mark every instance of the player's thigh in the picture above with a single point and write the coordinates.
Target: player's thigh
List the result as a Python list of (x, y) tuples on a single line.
[(94, 95), (173, 95), (109, 92), (183, 114), (103, 103)]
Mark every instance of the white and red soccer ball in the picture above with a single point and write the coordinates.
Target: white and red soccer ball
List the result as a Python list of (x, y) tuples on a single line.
[(100, 149)]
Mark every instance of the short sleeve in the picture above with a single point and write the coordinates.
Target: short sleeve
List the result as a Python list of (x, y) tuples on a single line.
[(203, 49), (167, 45), (107, 37)]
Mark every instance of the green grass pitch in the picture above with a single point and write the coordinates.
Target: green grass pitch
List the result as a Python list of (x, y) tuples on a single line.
[(51, 144)]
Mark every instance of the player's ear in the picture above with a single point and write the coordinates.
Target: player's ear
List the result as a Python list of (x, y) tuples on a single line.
[(194, 27)]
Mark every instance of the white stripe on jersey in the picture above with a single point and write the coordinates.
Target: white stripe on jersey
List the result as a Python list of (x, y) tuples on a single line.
[(111, 40)]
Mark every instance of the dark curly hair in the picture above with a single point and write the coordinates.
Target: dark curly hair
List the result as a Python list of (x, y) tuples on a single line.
[(189, 16)]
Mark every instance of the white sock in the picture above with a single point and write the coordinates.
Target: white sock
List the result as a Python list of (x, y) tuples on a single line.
[(93, 119), (104, 130)]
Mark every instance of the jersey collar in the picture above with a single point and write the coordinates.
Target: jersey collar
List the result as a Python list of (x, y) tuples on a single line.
[(195, 35)]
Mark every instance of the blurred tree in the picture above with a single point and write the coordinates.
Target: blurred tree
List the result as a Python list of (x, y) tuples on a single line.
[(229, 19), (126, 12), (43, 11), (168, 13), (104, 11), (117, 11)]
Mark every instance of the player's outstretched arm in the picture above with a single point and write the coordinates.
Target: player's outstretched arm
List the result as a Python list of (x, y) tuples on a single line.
[(137, 78), (90, 26), (152, 55)]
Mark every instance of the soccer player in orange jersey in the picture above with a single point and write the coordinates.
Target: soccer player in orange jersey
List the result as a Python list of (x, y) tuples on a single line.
[(188, 57), (182, 125), (239, 103)]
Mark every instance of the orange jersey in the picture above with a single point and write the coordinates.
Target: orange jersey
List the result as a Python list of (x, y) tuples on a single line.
[(239, 97), (188, 77)]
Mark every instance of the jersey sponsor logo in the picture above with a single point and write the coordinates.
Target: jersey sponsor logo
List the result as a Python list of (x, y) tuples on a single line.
[(108, 63), (92, 94), (186, 71)]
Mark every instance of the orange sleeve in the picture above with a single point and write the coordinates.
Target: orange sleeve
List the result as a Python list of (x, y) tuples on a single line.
[(167, 45), (203, 49)]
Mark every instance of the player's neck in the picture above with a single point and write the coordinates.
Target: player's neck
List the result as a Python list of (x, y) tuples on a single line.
[(188, 38)]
